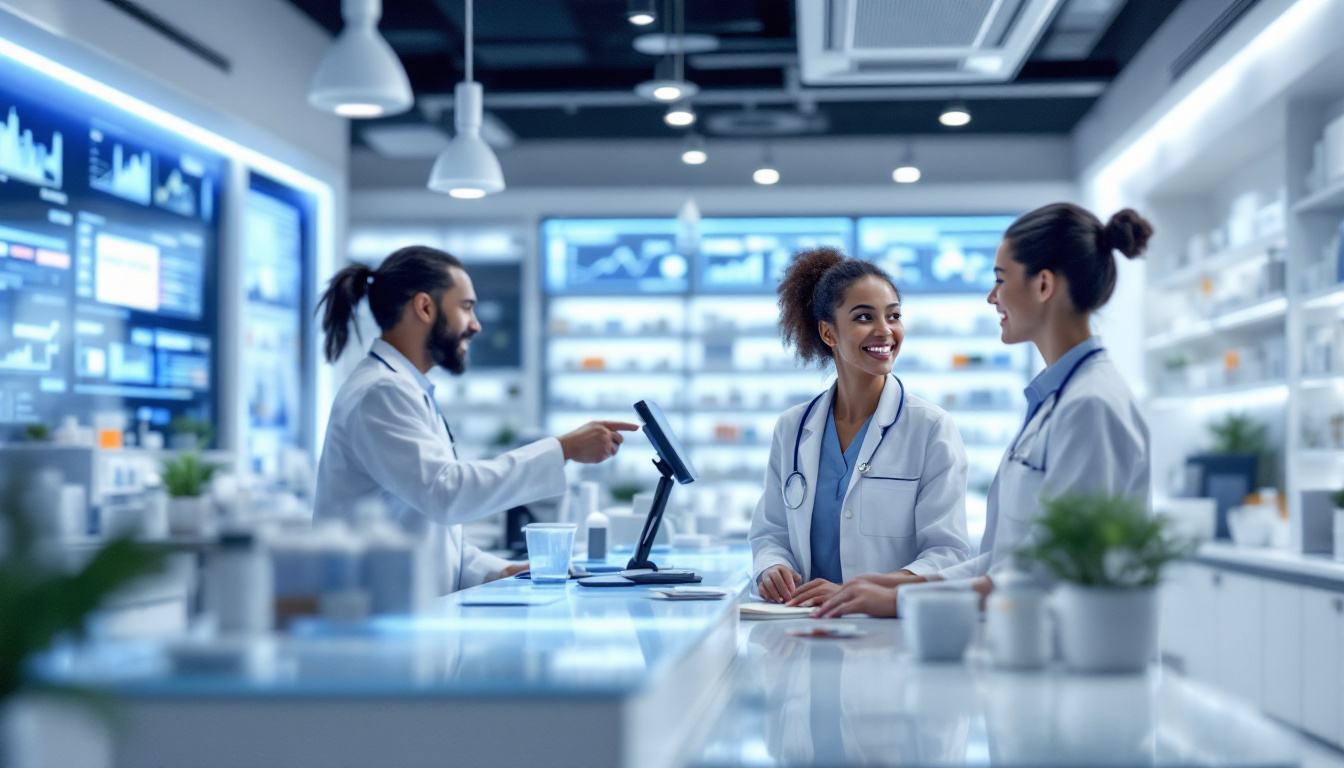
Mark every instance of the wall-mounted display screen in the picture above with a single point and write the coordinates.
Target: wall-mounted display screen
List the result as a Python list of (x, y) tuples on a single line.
[(108, 238), (750, 255), (613, 256), (934, 254), (276, 246)]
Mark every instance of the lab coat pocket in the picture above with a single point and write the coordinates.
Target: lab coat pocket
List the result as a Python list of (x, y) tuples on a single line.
[(887, 507)]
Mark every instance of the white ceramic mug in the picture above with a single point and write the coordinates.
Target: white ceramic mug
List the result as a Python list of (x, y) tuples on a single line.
[(938, 623)]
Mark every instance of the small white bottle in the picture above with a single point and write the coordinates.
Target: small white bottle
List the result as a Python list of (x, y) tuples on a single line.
[(238, 585), (597, 536), (1016, 633)]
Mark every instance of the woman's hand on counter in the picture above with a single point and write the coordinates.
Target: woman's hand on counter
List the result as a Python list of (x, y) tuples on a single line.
[(511, 569), (595, 442), (858, 597), (813, 592), (777, 583)]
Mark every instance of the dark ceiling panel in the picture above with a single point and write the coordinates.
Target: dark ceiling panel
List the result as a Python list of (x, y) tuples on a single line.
[(577, 45)]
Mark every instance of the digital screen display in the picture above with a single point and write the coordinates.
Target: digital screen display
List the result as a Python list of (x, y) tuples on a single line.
[(594, 256), (108, 238), (934, 254), (275, 255), (750, 255)]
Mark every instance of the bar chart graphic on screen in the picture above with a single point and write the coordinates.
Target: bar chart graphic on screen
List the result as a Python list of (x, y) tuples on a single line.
[(25, 158), (117, 170)]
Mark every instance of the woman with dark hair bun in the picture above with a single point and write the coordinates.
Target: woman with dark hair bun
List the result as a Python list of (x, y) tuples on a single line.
[(1083, 431), (866, 478)]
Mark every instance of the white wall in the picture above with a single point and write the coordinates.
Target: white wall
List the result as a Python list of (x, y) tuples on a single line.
[(271, 45)]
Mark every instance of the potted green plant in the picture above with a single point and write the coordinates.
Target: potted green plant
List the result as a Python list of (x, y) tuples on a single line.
[(1107, 554), (37, 432), (1240, 435), (186, 478), (41, 600)]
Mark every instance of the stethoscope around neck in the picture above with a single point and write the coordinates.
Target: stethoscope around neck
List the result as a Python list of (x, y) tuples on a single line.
[(794, 490)]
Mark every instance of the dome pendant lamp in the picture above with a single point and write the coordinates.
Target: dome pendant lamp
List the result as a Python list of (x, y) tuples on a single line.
[(360, 77), (467, 168)]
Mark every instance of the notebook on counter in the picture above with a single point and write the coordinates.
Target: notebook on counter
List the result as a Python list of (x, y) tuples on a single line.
[(761, 610)]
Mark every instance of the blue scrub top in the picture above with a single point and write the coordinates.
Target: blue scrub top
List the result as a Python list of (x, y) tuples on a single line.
[(833, 473)]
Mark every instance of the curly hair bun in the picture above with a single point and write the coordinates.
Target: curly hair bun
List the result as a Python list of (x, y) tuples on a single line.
[(1128, 233), (797, 292)]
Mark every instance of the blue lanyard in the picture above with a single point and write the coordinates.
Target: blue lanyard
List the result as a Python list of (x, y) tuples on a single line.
[(1024, 460), (452, 441)]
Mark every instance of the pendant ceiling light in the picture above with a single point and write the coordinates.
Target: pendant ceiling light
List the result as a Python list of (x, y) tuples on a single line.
[(693, 150), (955, 115), (680, 115), (676, 87), (641, 13), (766, 174), (467, 168), (361, 76), (906, 171)]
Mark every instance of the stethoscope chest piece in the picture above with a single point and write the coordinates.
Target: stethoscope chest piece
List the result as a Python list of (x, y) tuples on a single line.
[(795, 490)]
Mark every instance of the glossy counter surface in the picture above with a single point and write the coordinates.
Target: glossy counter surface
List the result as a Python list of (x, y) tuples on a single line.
[(586, 642), (865, 701), (1312, 570)]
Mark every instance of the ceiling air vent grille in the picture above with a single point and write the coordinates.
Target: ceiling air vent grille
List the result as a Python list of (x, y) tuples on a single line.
[(917, 42)]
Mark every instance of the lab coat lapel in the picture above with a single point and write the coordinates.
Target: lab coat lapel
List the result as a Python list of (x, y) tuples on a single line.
[(887, 405), (809, 461)]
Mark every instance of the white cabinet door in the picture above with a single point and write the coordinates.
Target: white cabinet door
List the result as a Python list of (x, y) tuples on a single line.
[(1175, 601), (1322, 673), (1240, 640), (1201, 639), (1281, 671)]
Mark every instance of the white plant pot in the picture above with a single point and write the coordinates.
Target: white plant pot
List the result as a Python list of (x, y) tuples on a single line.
[(1106, 630), (190, 515), (46, 731)]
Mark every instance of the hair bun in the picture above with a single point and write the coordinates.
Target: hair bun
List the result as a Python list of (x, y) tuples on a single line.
[(1127, 232)]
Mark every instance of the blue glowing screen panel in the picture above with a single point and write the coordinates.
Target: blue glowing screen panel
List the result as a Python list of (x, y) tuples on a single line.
[(276, 254), (934, 254), (750, 255), (614, 256), (623, 256), (108, 238)]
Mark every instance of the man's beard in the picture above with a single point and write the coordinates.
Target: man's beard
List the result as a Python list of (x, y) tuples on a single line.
[(444, 347)]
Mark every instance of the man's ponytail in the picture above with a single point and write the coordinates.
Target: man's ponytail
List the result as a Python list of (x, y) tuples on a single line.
[(341, 299)]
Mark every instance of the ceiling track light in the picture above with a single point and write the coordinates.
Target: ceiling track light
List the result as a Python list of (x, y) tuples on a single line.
[(676, 88), (641, 13), (360, 76), (467, 168), (693, 150), (680, 115), (955, 115)]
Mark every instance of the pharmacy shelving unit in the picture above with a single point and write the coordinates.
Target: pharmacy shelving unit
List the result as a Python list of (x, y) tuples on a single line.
[(1243, 294), (704, 342)]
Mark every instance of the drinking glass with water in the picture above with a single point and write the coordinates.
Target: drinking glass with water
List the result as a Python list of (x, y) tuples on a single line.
[(549, 546)]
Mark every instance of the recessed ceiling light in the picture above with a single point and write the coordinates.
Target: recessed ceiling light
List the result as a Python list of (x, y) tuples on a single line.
[(906, 174), (955, 115)]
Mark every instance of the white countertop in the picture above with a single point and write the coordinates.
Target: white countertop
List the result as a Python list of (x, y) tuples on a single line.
[(865, 701), (1285, 563)]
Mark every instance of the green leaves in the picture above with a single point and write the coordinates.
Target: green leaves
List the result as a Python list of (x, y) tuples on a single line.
[(1337, 498), (1104, 541), (39, 601), (1238, 433), (187, 475)]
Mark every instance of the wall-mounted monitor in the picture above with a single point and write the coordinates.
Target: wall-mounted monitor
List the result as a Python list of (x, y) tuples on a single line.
[(277, 258), (750, 255), (108, 251), (934, 254)]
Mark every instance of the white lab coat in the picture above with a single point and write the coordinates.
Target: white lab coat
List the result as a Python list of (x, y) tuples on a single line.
[(908, 511), (386, 439), (1096, 441)]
